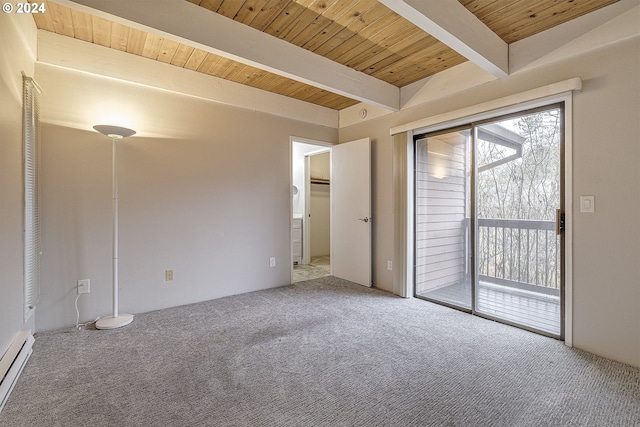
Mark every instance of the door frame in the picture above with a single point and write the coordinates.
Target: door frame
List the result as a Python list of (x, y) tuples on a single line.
[(321, 146), (485, 111)]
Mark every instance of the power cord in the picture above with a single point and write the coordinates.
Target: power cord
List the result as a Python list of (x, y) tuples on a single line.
[(79, 326)]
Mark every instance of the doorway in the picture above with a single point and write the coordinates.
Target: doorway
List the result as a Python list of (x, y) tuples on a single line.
[(489, 219), (311, 222)]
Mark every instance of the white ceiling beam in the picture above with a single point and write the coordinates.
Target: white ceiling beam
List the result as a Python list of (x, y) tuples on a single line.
[(445, 83), (72, 54), (187, 23), (452, 24)]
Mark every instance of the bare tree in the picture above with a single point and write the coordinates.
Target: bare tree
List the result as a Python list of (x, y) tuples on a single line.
[(526, 187)]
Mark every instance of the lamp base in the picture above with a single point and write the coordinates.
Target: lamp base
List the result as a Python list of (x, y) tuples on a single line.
[(111, 322)]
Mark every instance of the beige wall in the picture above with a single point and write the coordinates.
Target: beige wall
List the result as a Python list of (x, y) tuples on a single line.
[(607, 243), (320, 233), (207, 198), (16, 54), (606, 246)]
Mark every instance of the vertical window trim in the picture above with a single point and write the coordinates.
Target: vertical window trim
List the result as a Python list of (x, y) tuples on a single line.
[(31, 181)]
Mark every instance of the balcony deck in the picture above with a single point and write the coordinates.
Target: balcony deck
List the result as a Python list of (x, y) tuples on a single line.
[(534, 310)]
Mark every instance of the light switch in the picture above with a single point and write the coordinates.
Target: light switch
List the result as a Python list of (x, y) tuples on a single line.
[(587, 204)]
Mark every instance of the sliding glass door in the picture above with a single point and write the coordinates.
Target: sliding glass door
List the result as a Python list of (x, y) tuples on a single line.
[(489, 219), (442, 225), (519, 188)]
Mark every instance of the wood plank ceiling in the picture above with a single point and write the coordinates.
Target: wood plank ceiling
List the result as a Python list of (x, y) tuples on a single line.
[(364, 35)]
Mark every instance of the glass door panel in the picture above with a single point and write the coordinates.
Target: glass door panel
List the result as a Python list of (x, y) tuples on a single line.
[(518, 190), (442, 212)]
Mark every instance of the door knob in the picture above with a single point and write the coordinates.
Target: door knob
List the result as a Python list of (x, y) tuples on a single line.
[(365, 219)]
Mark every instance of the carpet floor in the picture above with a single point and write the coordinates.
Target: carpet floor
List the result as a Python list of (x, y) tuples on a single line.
[(318, 353)]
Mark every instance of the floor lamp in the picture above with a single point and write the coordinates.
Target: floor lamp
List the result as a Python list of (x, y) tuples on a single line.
[(117, 320)]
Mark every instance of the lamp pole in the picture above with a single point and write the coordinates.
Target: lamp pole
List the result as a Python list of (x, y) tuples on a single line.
[(116, 320)]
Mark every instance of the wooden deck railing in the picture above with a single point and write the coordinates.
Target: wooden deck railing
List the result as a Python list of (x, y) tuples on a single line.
[(522, 254)]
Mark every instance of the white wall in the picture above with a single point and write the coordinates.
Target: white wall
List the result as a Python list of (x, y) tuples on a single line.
[(206, 195), (606, 152), (17, 53)]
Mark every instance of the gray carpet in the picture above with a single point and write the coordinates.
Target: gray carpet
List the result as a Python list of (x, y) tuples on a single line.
[(318, 353)]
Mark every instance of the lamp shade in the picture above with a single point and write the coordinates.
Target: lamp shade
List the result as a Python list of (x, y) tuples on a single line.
[(116, 132)]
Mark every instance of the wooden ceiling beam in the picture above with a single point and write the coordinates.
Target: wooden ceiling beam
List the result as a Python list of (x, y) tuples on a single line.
[(187, 23), (451, 23)]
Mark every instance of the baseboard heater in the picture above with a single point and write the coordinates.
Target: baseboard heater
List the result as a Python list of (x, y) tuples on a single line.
[(13, 362)]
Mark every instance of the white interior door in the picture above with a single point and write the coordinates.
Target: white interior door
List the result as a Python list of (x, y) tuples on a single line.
[(351, 211)]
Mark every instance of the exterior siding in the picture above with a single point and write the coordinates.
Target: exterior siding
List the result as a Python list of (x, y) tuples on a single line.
[(441, 193)]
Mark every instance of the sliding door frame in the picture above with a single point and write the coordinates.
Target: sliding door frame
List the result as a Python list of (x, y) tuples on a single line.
[(560, 106), (562, 101), (470, 151)]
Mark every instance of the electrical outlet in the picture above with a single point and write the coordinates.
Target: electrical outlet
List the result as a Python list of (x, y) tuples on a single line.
[(389, 265), (168, 275), (84, 286), (272, 261)]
